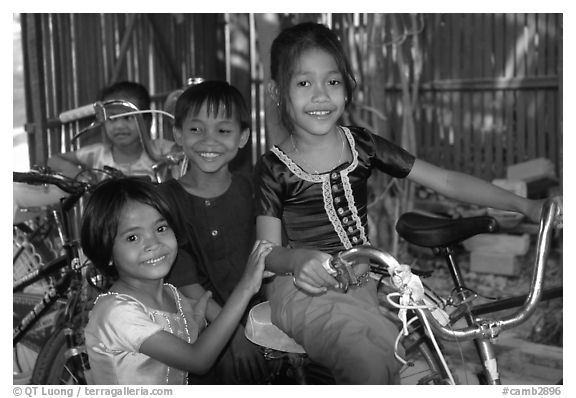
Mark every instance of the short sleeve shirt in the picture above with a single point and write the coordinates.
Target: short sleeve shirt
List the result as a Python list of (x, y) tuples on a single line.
[(100, 155), (117, 327), (327, 211)]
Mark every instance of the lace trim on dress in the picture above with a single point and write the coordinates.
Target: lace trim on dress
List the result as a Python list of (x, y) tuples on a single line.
[(324, 178), (294, 168), (332, 216), (348, 187), (352, 205)]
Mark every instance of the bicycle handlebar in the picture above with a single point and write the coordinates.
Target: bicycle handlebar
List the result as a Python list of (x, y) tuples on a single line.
[(68, 185), (76, 113), (551, 215)]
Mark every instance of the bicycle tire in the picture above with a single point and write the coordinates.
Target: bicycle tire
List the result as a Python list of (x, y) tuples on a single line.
[(27, 255), (53, 367)]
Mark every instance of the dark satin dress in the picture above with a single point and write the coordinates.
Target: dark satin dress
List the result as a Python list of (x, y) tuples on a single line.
[(328, 212)]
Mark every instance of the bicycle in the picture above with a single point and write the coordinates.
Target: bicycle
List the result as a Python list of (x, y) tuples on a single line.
[(426, 316), (55, 345), (51, 275), (423, 314)]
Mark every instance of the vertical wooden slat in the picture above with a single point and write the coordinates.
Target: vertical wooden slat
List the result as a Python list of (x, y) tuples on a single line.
[(441, 146), (531, 70), (558, 131), (498, 104), (540, 95), (510, 95), (467, 103), (454, 125), (521, 102), (34, 87), (429, 121), (554, 99), (487, 125)]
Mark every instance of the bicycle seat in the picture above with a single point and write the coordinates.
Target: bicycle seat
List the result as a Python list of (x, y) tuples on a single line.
[(261, 331), (427, 231)]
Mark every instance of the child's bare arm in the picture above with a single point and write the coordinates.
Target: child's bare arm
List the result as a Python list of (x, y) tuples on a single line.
[(65, 163), (470, 189), (199, 356), (305, 265), (195, 291)]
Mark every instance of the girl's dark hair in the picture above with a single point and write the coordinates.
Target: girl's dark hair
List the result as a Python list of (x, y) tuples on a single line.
[(128, 89), (102, 214), (286, 50), (218, 96)]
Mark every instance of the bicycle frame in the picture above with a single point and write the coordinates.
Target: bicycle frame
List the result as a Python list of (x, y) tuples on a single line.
[(161, 163), (481, 331), (69, 283), (491, 329)]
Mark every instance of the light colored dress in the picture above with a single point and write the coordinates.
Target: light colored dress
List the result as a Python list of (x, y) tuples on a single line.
[(117, 327), (99, 155)]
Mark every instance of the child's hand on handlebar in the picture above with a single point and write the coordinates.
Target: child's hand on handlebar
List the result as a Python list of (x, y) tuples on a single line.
[(310, 273), (534, 213), (559, 219)]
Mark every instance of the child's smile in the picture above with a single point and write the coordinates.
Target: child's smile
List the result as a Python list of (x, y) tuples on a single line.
[(317, 97), (211, 141), (145, 246)]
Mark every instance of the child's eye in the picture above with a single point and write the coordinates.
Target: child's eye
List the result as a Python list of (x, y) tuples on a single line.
[(132, 238), (303, 84), (225, 131), (194, 129), (334, 82), (163, 228)]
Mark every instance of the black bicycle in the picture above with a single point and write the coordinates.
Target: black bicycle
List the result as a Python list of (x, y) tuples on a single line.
[(54, 284)]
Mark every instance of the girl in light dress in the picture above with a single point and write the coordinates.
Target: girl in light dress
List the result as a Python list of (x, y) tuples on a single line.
[(143, 331)]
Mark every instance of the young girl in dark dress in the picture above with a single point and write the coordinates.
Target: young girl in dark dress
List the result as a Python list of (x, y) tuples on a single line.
[(313, 186)]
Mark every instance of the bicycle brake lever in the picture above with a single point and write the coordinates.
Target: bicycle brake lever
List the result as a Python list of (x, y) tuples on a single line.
[(344, 273)]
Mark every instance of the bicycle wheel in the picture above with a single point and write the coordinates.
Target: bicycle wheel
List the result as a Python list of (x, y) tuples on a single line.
[(56, 364), (28, 256)]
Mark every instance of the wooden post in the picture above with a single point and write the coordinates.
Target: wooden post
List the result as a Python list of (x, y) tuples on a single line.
[(34, 88)]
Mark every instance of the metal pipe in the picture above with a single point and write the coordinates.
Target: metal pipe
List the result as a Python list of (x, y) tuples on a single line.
[(550, 210), (483, 329), (372, 253), (491, 329)]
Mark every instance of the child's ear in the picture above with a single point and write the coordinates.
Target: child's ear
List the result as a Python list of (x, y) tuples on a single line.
[(177, 136), (244, 135), (273, 92)]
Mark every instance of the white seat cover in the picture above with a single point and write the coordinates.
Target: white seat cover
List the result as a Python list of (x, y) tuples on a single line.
[(261, 331)]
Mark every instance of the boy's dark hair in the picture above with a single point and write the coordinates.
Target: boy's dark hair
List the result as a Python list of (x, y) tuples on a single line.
[(286, 50), (218, 95), (102, 214), (128, 89)]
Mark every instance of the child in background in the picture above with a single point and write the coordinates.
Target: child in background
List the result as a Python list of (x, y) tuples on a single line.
[(122, 148), (143, 331), (211, 124), (313, 186)]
